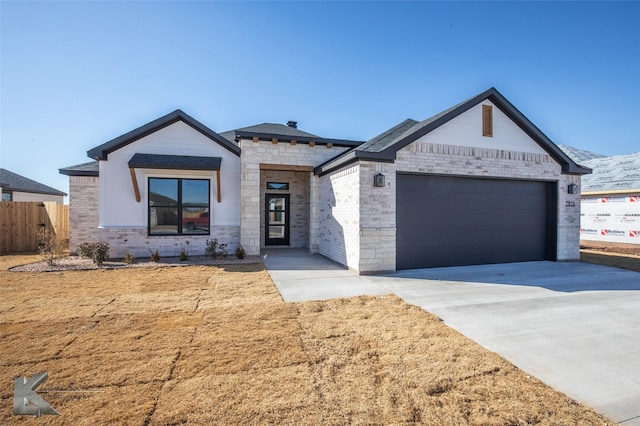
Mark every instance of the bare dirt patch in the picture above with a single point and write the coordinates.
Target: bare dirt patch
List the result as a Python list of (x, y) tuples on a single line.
[(217, 345), (625, 256)]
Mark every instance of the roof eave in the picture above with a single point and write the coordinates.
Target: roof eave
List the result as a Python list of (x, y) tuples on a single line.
[(101, 152), (351, 157), (301, 139)]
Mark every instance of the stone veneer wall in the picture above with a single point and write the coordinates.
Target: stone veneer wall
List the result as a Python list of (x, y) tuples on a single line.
[(299, 200), (262, 152), (137, 242), (83, 210)]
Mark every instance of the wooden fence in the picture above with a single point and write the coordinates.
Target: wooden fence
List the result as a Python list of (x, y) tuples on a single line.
[(21, 224)]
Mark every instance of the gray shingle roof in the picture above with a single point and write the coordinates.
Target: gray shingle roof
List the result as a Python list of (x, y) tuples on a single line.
[(385, 146), (275, 129), (85, 169), (10, 181), (175, 162)]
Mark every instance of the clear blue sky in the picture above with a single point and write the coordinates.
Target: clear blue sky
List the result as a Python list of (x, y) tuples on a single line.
[(77, 74)]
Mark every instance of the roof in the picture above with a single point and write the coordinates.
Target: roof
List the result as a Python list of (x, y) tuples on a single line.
[(101, 152), (85, 169), (617, 173), (283, 133), (579, 155), (10, 181), (385, 146), (176, 162)]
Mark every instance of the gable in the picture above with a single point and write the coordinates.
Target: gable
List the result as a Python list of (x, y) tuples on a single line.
[(466, 130), (101, 152)]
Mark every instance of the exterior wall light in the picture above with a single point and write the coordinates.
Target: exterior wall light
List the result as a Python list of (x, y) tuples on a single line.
[(572, 189), (378, 180)]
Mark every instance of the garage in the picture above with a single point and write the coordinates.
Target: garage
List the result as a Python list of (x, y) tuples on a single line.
[(454, 221)]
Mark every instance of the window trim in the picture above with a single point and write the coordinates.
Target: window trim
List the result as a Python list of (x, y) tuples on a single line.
[(179, 206)]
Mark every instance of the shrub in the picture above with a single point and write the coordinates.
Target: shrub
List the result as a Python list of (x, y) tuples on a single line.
[(184, 255), (100, 253), (214, 249), (85, 249), (97, 252), (129, 258), (48, 246), (154, 256), (240, 253)]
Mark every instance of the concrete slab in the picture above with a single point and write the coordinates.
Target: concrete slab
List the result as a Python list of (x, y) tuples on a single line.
[(575, 326), (301, 276)]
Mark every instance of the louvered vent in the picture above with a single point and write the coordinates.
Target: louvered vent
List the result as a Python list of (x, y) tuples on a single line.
[(487, 120)]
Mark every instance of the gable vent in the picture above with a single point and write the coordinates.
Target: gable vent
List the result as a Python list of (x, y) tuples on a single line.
[(487, 120)]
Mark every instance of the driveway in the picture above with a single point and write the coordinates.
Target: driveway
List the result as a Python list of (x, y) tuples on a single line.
[(575, 326)]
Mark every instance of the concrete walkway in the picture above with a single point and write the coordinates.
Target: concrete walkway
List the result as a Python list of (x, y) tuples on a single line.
[(575, 326)]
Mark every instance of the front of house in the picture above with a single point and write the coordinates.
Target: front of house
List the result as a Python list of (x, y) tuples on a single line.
[(477, 183)]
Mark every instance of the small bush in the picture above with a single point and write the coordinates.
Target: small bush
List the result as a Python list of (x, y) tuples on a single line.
[(215, 250), (100, 253), (48, 245), (184, 255), (85, 249), (154, 256), (240, 253), (97, 252), (129, 258)]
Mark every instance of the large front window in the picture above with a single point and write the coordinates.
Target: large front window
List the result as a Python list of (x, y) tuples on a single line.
[(178, 206)]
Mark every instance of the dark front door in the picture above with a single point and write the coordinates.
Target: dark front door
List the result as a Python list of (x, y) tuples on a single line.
[(276, 223)]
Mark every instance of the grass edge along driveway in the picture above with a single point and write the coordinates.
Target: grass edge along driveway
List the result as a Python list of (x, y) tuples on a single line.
[(217, 345)]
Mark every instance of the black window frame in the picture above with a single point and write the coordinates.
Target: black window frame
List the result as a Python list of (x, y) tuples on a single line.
[(179, 206), (278, 186)]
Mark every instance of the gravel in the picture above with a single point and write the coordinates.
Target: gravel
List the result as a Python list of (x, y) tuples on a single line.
[(76, 263)]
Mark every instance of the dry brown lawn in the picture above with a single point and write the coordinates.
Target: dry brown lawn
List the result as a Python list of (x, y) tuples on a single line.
[(217, 345)]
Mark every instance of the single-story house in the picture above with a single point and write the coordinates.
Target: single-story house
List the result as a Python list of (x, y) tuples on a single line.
[(477, 183), (14, 187)]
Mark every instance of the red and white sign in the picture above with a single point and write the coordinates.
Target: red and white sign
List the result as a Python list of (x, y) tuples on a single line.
[(610, 218)]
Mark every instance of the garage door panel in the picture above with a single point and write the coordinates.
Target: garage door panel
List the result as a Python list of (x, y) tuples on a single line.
[(447, 221)]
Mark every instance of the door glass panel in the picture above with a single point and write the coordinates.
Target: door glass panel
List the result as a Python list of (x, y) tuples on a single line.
[(276, 218), (276, 232), (277, 204)]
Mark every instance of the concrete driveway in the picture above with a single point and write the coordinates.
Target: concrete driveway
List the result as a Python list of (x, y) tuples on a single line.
[(575, 326)]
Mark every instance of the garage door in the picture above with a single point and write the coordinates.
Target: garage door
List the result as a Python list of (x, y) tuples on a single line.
[(451, 221)]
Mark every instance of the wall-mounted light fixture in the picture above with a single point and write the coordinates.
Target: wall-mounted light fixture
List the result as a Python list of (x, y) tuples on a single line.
[(378, 180), (572, 189)]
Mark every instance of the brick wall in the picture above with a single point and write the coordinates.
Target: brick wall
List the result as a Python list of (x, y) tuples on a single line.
[(137, 242), (282, 153), (83, 210), (339, 216), (299, 203)]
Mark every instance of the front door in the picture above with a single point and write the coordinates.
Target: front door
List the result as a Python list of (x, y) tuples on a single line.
[(276, 224)]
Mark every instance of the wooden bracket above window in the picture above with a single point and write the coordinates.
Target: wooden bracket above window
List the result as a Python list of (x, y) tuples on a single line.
[(134, 180)]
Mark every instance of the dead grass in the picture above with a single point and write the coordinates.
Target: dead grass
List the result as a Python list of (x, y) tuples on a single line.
[(212, 345), (624, 261)]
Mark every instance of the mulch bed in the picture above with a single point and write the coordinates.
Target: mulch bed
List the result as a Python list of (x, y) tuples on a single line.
[(76, 263)]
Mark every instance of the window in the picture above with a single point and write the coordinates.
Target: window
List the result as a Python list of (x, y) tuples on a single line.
[(6, 196), (179, 206), (487, 120), (277, 185)]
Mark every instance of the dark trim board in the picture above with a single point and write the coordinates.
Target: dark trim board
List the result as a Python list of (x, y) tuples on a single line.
[(453, 221)]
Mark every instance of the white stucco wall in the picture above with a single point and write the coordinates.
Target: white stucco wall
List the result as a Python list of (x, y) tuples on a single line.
[(123, 220), (466, 130)]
